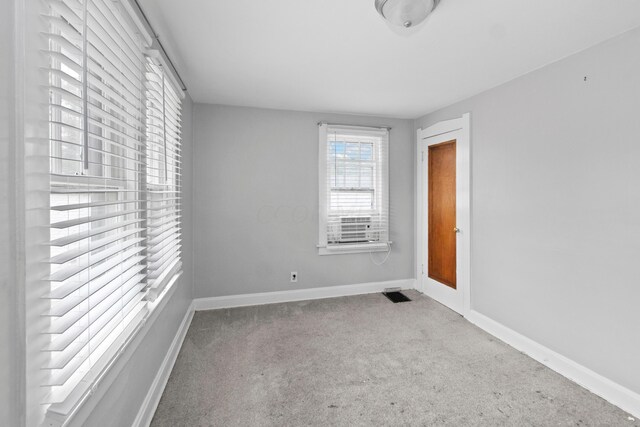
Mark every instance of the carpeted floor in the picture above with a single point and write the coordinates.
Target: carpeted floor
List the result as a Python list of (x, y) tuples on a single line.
[(363, 360)]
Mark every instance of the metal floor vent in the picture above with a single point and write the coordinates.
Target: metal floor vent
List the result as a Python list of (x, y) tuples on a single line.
[(396, 296)]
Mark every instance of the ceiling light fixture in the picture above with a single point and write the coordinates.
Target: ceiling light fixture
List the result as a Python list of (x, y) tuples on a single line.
[(405, 13)]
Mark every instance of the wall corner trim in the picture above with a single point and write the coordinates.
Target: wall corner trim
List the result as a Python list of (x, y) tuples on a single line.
[(612, 392), (152, 399), (244, 300)]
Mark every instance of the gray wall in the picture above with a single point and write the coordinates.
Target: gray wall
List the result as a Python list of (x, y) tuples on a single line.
[(556, 206), (8, 338), (256, 196), (124, 398)]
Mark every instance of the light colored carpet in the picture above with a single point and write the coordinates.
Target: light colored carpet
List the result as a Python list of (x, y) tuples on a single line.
[(363, 360)]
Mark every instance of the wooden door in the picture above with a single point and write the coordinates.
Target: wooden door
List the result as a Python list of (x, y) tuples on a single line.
[(442, 213)]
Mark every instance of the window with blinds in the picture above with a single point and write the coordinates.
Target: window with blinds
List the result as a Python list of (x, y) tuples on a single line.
[(163, 180), (114, 138), (354, 189)]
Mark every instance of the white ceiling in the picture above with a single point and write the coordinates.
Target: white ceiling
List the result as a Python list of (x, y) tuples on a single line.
[(340, 56)]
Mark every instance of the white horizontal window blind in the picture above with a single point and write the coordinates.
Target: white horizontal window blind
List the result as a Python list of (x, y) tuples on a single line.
[(163, 180), (354, 193), (114, 139)]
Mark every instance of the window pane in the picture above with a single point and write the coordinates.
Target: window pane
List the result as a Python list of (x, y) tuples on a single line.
[(366, 177), (353, 151), (351, 201), (336, 149), (366, 151), (337, 174), (350, 165), (352, 176)]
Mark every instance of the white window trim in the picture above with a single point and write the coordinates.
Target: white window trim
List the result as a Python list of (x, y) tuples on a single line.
[(348, 248)]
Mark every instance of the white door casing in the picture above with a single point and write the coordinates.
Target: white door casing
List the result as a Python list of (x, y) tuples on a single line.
[(458, 299)]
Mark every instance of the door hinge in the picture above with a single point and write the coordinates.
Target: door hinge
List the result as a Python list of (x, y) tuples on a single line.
[(422, 152), (423, 269)]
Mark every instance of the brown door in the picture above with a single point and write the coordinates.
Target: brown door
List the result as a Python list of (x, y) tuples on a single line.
[(442, 213)]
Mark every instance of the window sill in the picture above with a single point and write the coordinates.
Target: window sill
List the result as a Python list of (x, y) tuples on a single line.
[(354, 248)]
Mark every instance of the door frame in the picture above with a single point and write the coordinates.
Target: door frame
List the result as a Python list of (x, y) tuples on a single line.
[(461, 128)]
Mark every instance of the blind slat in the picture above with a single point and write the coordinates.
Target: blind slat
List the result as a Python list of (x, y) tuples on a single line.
[(94, 231), (92, 245), (99, 275), (73, 269)]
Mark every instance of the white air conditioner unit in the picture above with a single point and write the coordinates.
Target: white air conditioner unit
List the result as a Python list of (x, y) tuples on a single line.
[(356, 229)]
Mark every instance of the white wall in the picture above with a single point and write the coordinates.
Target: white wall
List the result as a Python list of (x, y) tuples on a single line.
[(556, 206), (256, 196), (8, 342)]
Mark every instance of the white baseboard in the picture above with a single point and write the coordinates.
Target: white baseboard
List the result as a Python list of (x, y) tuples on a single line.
[(614, 393), (298, 294), (152, 399)]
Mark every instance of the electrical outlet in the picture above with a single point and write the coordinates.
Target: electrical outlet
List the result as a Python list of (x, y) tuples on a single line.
[(294, 276)]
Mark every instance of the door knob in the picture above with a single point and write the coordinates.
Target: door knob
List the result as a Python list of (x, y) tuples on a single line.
[(457, 230)]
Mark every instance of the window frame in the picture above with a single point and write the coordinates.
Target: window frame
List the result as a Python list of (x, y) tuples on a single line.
[(100, 375), (380, 190)]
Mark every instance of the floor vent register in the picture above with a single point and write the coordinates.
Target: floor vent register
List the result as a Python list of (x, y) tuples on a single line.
[(396, 296)]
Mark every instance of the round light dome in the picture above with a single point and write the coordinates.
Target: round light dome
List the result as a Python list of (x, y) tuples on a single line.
[(405, 13)]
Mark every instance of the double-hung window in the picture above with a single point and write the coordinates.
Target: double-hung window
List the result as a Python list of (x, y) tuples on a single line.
[(114, 199), (354, 189), (163, 180)]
